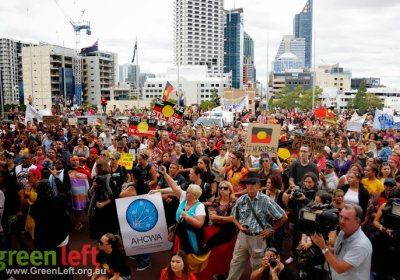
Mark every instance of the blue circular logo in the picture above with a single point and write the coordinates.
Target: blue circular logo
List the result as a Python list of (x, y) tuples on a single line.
[(142, 215)]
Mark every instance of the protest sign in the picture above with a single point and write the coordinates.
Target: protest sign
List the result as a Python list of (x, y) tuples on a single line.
[(356, 122), (127, 160), (172, 113), (262, 138), (51, 120), (385, 121), (73, 121), (140, 126), (142, 224), (316, 143), (236, 104)]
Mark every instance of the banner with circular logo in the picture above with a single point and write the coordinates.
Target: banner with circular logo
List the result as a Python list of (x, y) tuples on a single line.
[(142, 224)]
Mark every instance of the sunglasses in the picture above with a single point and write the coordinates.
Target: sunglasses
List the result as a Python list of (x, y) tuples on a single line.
[(265, 160), (224, 188), (112, 158), (171, 144)]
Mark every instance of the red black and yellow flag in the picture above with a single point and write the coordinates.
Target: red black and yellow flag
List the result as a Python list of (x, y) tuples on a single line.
[(168, 89), (261, 135)]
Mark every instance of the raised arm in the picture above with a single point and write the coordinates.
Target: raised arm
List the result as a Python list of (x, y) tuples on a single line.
[(171, 183)]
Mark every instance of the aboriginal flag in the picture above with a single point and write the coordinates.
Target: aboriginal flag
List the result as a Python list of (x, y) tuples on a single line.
[(261, 135), (168, 89)]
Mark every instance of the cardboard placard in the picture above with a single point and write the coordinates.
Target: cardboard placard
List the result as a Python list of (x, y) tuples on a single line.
[(73, 121), (262, 138), (51, 120), (127, 160), (316, 144)]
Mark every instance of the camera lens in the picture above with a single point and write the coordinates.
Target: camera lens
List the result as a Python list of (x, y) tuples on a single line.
[(273, 262)]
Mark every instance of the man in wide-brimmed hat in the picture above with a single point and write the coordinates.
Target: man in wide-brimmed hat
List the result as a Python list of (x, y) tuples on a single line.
[(251, 215)]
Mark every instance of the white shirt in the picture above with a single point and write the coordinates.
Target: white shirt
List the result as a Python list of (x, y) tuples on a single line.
[(351, 197)]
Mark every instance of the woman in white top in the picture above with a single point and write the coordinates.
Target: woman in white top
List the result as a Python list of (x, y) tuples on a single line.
[(354, 191), (219, 163), (190, 216)]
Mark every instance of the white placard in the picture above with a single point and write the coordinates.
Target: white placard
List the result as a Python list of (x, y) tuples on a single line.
[(142, 224)]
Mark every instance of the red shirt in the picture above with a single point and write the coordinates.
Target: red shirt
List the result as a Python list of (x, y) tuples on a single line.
[(164, 276)]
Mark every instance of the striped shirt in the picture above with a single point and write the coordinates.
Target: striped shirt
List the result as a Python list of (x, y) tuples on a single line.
[(263, 206)]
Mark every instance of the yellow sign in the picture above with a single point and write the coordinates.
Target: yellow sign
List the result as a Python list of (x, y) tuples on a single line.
[(127, 160)]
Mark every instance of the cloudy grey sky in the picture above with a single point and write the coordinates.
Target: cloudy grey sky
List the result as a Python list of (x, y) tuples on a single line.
[(362, 35)]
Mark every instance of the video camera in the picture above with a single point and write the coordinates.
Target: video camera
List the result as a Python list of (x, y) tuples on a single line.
[(318, 218), (391, 216)]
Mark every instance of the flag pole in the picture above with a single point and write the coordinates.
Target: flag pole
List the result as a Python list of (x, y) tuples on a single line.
[(137, 75)]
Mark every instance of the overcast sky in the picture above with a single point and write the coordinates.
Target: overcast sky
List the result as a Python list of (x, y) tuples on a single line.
[(361, 35)]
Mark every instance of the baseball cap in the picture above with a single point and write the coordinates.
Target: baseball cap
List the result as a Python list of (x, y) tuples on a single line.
[(330, 163), (390, 181)]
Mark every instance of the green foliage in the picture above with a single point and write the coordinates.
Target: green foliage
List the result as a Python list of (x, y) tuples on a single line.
[(373, 101), (87, 105), (364, 100), (299, 98), (306, 99), (206, 105)]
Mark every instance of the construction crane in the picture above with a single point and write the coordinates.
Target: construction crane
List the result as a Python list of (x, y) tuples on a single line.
[(78, 25)]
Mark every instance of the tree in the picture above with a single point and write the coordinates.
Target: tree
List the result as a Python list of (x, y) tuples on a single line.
[(306, 98), (373, 101), (215, 101), (285, 99), (360, 100)]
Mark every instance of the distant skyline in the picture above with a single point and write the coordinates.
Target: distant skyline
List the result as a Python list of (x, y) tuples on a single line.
[(361, 35)]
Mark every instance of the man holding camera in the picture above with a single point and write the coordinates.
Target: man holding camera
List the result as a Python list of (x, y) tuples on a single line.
[(272, 268), (251, 214), (351, 259)]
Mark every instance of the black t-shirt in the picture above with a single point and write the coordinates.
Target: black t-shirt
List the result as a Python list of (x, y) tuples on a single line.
[(114, 262), (285, 274), (205, 187), (188, 162), (179, 180), (211, 154), (297, 171)]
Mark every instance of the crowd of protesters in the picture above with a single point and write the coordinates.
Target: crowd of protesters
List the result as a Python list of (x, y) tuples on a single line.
[(222, 206)]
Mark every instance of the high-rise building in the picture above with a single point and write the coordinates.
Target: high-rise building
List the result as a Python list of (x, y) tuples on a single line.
[(234, 46), (302, 25), (334, 77), (99, 75), (128, 73), (11, 85), (48, 75), (249, 73), (290, 55), (199, 33)]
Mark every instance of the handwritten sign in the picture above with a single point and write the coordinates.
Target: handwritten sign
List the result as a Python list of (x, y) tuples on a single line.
[(316, 144), (51, 120), (262, 138), (127, 160), (73, 121)]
